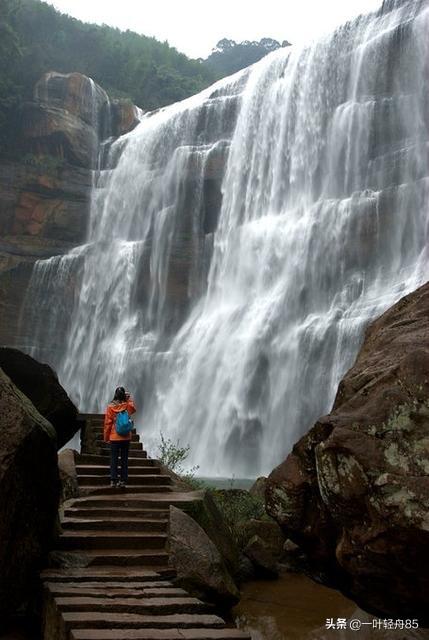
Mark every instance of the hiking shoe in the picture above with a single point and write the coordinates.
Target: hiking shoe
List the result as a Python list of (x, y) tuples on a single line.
[(122, 484), (113, 483)]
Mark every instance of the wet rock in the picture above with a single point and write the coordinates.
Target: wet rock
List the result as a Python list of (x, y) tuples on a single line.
[(354, 492), (29, 496), (258, 488), (73, 92), (246, 570), (40, 384), (51, 131), (124, 117), (45, 197), (68, 474), (261, 557), (199, 565)]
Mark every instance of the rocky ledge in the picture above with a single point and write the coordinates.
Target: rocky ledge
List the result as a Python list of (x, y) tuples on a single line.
[(354, 492)]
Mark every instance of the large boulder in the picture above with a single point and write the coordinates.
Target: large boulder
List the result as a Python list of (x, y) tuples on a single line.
[(261, 557), (75, 93), (208, 515), (51, 131), (40, 384), (266, 530), (354, 492), (198, 563), (29, 496)]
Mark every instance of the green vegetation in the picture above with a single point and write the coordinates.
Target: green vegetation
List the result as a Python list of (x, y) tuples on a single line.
[(230, 56), (237, 507), (173, 456), (36, 38)]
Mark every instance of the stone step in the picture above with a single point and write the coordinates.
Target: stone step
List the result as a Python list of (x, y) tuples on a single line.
[(164, 606), (127, 500), (128, 621), (107, 490), (107, 574), (104, 470), (134, 436), (134, 446), (121, 557), (103, 450), (115, 523), (90, 539), (53, 584), (103, 591), (116, 512), (104, 460), (141, 480), (160, 634)]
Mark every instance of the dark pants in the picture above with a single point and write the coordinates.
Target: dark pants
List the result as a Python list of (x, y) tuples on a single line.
[(116, 448)]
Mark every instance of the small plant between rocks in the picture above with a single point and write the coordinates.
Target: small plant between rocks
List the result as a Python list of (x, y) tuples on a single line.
[(173, 456)]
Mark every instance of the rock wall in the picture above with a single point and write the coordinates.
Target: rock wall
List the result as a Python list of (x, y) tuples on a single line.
[(45, 189), (29, 495), (354, 492)]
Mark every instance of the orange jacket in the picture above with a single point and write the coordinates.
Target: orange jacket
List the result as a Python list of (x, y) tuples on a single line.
[(112, 410)]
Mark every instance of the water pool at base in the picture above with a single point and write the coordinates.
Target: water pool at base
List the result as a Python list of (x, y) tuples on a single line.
[(296, 608)]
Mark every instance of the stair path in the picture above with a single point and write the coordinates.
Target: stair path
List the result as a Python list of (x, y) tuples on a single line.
[(120, 584)]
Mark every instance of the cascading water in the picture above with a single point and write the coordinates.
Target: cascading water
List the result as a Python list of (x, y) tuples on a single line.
[(323, 225)]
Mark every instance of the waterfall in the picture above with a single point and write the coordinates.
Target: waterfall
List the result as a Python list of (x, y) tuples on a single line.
[(241, 241)]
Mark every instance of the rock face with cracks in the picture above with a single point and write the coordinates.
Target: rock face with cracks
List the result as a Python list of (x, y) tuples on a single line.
[(29, 495), (354, 492)]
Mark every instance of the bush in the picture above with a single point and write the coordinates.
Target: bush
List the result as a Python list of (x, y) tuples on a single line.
[(173, 456), (237, 507)]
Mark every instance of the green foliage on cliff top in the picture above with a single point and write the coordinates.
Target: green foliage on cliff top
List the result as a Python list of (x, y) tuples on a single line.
[(36, 38)]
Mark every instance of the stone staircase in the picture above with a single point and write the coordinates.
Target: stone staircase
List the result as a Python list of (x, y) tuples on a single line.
[(119, 584)]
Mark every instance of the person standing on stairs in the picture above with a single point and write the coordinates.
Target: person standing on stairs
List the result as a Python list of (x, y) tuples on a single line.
[(117, 432)]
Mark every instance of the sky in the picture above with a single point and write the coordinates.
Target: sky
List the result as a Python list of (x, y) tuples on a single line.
[(195, 26)]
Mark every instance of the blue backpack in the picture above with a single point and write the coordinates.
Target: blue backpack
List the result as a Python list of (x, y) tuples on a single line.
[(123, 423)]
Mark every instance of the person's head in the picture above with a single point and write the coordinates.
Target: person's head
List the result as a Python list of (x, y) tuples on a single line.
[(119, 395)]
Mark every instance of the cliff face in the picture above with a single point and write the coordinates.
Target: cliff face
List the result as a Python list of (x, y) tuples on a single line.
[(354, 492), (45, 195)]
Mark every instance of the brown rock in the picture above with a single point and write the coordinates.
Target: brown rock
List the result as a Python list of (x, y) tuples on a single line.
[(124, 116), (29, 495), (261, 557), (40, 384), (68, 474), (258, 488), (207, 514), (199, 565), (354, 492), (73, 92), (51, 131), (268, 531)]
